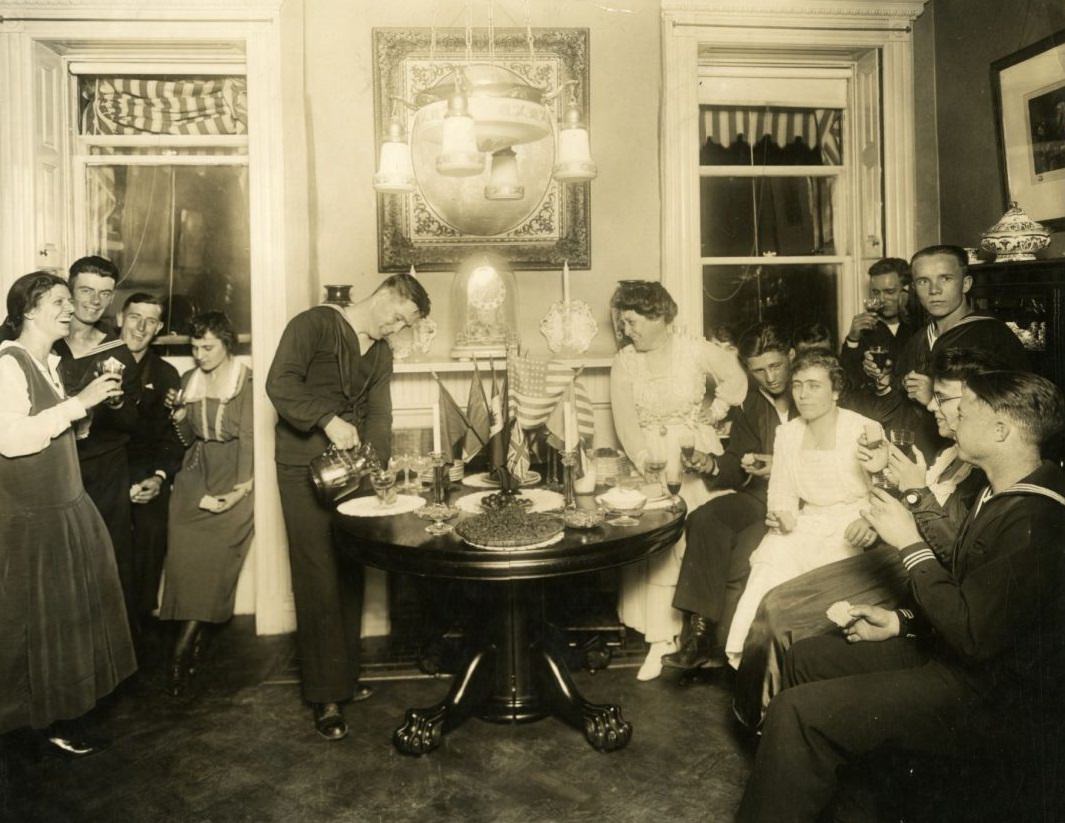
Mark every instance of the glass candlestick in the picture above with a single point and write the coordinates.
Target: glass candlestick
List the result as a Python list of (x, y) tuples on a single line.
[(569, 466), (438, 511)]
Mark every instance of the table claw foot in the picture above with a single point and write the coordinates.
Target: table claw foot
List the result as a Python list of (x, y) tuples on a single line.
[(605, 728), (422, 731)]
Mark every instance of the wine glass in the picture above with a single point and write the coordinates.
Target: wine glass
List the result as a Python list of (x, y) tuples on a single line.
[(422, 465), (401, 462), (673, 482), (872, 304), (654, 471), (903, 439)]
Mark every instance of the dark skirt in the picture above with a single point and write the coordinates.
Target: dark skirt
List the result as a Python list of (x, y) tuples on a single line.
[(796, 609), (64, 640)]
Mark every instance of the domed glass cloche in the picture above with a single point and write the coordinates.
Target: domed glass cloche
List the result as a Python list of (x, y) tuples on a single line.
[(484, 308)]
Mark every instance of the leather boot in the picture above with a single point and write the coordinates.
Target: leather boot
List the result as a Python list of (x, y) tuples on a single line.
[(329, 721), (180, 665), (696, 647)]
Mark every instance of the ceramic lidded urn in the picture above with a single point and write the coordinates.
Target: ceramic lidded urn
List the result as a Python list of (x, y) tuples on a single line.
[(1016, 236)]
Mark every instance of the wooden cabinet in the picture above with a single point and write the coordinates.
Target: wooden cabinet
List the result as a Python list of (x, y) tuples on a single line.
[(1030, 296)]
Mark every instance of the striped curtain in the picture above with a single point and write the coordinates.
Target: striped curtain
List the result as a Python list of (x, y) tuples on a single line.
[(820, 128), (127, 105)]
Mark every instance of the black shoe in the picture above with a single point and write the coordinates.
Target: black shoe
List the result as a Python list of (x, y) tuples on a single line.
[(329, 721), (697, 648), (362, 692), (177, 681), (73, 747)]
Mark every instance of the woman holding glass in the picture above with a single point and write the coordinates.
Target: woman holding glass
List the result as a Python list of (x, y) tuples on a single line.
[(658, 384), (64, 639), (211, 508), (817, 490)]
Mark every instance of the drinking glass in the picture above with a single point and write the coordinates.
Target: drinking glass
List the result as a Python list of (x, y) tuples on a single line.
[(384, 485), (401, 462), (673, 482), (903, 439), (872, 304), (422, 465), (654, 472), (880, 356), (111, 366)]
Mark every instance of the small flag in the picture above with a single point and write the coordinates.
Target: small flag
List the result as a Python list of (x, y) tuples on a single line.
[(478, 416), (453, 423)]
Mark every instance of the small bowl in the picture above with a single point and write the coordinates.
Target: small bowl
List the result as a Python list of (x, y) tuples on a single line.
[(583, 518), (634, 510)]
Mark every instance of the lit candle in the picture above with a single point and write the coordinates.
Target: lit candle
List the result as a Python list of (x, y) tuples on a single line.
[(565, 282), (436, 428), (569, 425)]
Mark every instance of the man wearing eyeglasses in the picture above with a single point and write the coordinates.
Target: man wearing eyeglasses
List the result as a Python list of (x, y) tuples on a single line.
[(154, 452), (330, 383), (973, 668)]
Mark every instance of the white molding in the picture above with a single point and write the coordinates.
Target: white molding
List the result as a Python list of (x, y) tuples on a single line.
[(142, 10), (828, 32)]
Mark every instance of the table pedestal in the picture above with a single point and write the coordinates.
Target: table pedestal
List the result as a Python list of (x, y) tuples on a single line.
[(511, 675)]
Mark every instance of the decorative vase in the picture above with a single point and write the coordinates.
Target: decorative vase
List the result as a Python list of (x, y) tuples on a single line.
[(1015, 236)]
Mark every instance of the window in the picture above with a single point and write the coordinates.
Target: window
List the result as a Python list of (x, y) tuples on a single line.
[(161, 166), (773, 189)]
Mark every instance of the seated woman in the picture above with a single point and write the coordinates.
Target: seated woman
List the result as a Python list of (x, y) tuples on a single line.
[(939, 496), (64, 640), (211, 507), (817, 490), (657, 386)]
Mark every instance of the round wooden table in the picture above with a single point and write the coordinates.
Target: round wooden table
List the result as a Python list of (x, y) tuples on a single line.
[(510, 674)]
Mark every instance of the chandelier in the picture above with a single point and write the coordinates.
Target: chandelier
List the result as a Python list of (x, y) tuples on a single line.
[(474, 117)]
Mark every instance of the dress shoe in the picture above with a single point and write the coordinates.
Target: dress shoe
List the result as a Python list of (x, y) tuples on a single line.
[(65, 744), (329, 721), (362, 692), (697, 648)]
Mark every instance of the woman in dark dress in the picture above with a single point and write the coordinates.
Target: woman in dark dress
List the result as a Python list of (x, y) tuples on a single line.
[(64, 640), (211, 508)]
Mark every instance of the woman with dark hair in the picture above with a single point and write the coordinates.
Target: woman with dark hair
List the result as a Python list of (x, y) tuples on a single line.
[(658, 389), (817, 490), (211, 508), (64, 641)]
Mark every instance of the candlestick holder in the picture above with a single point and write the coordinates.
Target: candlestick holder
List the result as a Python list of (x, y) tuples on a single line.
[(569, 464), (438, 511), (552, 480)]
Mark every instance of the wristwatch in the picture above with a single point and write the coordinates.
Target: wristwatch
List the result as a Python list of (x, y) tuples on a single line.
[(912, 499)]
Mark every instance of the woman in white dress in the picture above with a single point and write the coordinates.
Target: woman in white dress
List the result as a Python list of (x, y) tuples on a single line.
[(816, 490), (658, 385)]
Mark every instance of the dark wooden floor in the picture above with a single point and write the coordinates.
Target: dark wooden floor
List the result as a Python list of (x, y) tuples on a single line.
[(242, 748)]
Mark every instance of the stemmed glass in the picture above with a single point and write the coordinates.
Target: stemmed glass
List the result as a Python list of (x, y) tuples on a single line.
[(903, 439), (872, 304), (401, 462), (673, 481)]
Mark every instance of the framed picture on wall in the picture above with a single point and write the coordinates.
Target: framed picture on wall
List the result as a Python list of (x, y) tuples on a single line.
[(534, 222), (1029, 95)]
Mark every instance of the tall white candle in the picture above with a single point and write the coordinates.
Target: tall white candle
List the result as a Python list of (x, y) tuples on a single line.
[(436, 428), (565, 282), (569, 425)]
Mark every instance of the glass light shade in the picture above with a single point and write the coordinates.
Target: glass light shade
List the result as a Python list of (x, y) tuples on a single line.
[(484, 307), (459, 156), (395, 173), (574, 156), (503, 184)]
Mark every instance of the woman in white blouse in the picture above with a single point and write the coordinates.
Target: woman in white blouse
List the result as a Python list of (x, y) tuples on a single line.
[(658, 390), (817, 490), (64, 640)]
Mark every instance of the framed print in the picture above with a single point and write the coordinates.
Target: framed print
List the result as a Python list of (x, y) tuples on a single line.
[(1029, 95), (447, 218)]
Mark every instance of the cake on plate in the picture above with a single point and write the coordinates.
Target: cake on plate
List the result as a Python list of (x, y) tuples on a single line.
[(509, 528)]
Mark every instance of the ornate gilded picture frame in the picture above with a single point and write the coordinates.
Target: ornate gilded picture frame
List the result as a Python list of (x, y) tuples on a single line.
[(446, 219)]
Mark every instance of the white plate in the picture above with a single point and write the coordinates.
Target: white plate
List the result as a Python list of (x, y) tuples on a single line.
[(549, 542), (371, 507), (486, 480), (543, 500)]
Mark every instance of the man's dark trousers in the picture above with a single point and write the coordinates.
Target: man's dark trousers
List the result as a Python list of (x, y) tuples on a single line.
[(721, 535), (328, 592)]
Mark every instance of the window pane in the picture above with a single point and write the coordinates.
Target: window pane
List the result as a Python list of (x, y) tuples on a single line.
[(737, 297), (770, 136), (793, 216), (176, 231)]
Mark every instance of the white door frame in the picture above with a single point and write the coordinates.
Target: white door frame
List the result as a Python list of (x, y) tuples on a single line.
[(277, 242)]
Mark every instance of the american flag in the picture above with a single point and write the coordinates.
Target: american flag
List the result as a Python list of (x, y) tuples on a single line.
[(585, 416), (537, 386)]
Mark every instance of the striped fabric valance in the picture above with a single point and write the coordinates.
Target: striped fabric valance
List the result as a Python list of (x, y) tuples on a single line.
[(813, 127), (127, 105)]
